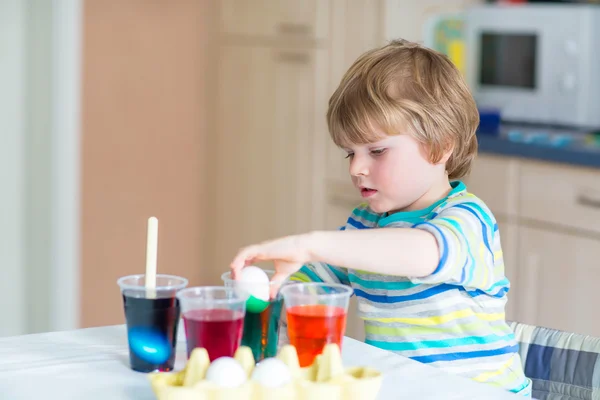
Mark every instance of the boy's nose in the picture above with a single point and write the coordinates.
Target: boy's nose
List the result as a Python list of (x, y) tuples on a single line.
[(359, 167)]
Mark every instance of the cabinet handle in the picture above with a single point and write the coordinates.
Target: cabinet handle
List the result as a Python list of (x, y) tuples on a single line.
[(287, 28), (296, 58), (588, 201)]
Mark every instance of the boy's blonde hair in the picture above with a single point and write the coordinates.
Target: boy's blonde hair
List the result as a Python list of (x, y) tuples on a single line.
[(406, 86)]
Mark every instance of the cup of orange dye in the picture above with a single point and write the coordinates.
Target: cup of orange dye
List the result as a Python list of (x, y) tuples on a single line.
[(316, 316)]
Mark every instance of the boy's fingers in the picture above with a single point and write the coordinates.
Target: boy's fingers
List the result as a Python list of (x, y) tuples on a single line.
[(276, 281), (240, 260)]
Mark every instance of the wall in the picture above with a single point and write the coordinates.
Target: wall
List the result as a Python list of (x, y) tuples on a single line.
[(143, 144), (13, 69), (39, 153)]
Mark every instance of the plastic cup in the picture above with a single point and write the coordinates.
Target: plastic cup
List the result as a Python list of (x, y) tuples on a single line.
[(213, 317), (262, 320), (316, 316), (151, 316)]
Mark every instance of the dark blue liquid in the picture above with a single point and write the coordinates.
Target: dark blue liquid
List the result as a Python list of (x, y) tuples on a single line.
[(151, 332)]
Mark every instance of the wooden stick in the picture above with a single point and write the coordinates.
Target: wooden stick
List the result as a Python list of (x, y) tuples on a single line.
[(151, 257)]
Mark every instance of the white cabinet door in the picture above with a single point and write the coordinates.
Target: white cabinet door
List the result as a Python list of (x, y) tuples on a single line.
[(270, 154), (558, 281), (292, 19)]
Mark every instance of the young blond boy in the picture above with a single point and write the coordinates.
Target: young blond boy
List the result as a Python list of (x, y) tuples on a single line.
[(430, 282)]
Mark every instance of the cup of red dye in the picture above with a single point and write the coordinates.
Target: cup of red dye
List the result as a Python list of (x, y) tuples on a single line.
[(213, 317)]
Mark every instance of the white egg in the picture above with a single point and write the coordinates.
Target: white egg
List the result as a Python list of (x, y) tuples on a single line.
[(271, 372), (226, 372), (255, 281)]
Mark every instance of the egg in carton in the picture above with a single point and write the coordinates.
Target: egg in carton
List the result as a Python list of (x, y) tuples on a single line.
[(273, 378)]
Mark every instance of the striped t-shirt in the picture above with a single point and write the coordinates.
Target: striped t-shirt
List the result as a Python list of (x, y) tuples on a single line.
[(453, 319)]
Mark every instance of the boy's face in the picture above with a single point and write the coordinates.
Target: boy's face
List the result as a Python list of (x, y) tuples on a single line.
[(395, 174)]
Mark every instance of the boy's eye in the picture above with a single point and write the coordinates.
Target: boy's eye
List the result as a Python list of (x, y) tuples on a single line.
[(349, 155), (378, 152)]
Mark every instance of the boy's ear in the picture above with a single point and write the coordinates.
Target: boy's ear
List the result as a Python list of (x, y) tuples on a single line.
[(446, 156)]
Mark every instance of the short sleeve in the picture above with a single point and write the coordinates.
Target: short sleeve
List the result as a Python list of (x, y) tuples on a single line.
[(468, 243)]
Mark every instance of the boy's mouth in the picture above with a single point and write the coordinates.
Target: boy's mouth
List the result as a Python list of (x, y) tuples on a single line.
[(367, 192)]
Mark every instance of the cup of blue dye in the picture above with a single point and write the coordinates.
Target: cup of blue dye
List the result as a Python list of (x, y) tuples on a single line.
[(152, 316)]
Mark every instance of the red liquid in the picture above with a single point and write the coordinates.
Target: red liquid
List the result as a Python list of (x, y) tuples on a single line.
[(218, 331), (311, 327)]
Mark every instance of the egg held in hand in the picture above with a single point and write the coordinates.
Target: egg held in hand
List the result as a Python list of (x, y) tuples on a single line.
[(255, 282)]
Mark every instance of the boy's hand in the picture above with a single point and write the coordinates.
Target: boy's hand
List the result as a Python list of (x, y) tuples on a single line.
[(288, 255)]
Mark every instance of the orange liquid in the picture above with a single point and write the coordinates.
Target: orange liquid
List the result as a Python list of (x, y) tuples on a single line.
[(311, 327)]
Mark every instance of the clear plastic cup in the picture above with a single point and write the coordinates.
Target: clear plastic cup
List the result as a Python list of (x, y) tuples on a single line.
[(152, 317), (213, 317), (316, 316), (262, 322)]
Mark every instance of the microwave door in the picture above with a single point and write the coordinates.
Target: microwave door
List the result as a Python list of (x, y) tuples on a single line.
[(507, 73), (508, 60)]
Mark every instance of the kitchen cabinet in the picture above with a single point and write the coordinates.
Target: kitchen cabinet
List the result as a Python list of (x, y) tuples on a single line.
[(563, 196), (270, 141), (558, 277), (548, 219), (282, 19)]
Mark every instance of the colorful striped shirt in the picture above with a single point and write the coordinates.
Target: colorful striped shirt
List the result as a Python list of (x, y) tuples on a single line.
[(454, 318)]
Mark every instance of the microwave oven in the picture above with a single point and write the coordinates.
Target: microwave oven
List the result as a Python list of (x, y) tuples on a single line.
[(535, 63)]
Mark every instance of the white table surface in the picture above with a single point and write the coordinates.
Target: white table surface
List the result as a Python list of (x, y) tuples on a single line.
[(92, 364)]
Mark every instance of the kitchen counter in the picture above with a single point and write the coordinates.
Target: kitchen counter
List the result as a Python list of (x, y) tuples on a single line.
[(574, 156)]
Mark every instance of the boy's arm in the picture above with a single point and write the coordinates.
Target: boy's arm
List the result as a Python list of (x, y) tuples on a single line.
[(321, 272), (398, 251), (454, 247)]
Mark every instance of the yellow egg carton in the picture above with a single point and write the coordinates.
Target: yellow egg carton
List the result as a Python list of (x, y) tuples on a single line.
[(325, 379)]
